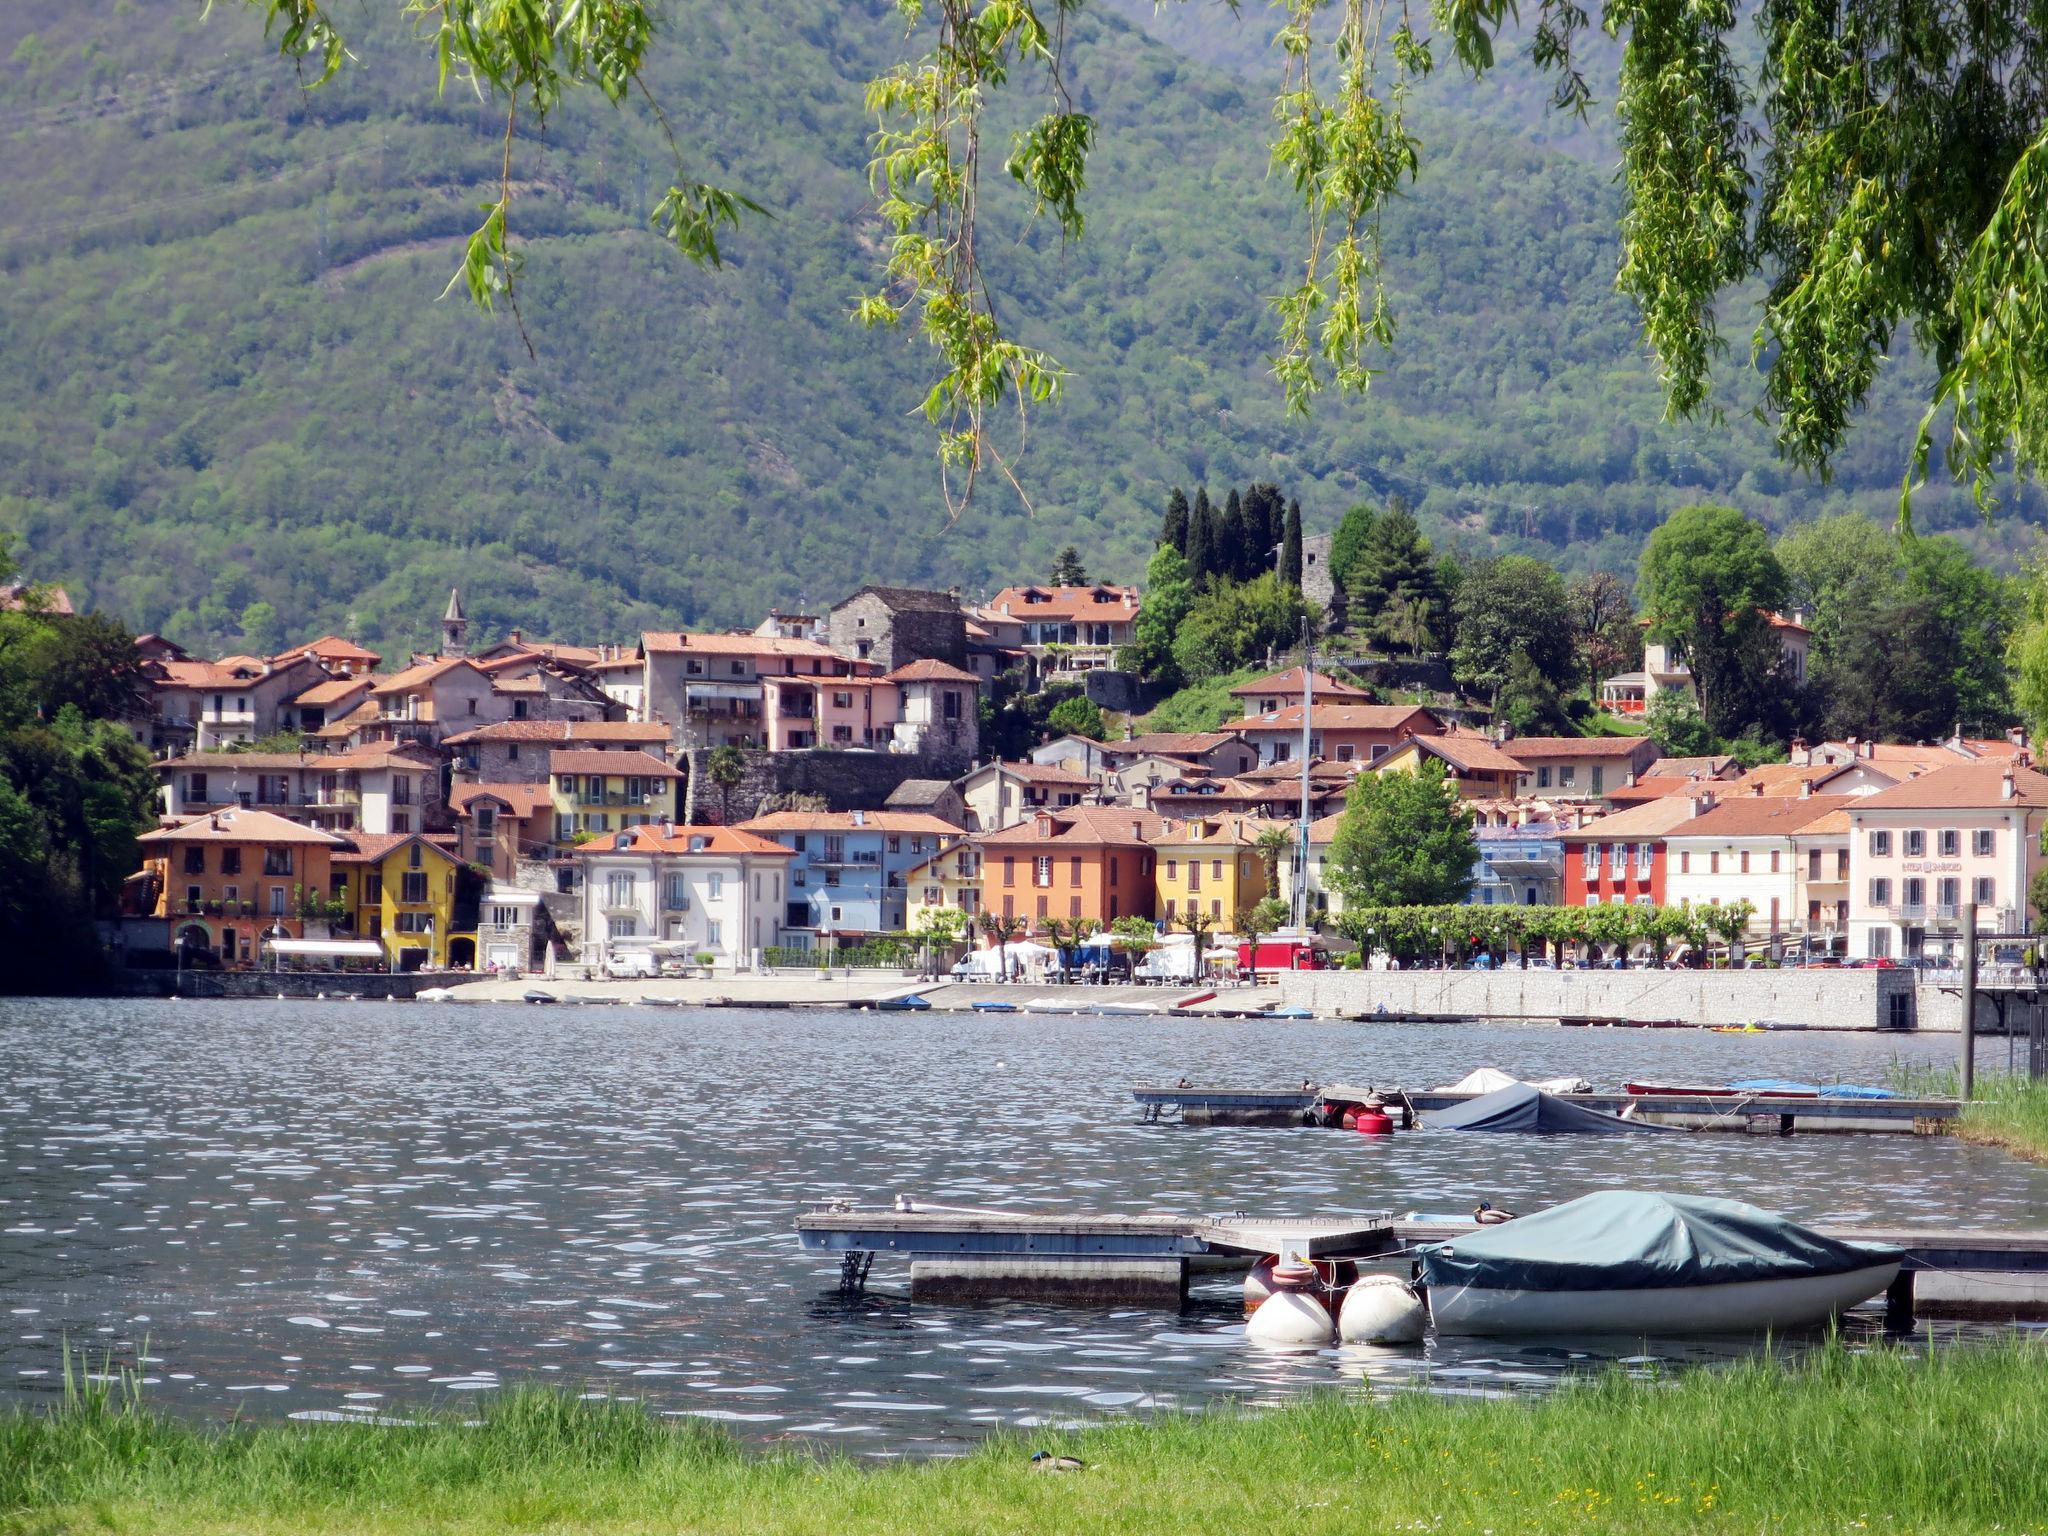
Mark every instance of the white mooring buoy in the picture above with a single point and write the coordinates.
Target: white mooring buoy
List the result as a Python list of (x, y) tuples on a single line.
[(1381, 1309)]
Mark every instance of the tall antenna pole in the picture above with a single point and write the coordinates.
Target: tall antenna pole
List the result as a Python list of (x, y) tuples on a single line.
[(1308, 700)]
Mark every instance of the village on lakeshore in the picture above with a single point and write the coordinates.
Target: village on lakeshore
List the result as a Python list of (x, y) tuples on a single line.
[(910, 773)]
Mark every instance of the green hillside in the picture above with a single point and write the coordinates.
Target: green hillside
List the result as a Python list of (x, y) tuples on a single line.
[(231, 401)]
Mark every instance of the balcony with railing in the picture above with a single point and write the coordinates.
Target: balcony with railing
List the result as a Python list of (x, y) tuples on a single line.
[(616, 797)]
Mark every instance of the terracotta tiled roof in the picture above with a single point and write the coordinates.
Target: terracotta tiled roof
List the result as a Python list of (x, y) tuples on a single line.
[(1040, 773), (225, 762), (363, 714), (1654, 819), (422, 674), (568, 732), (375, 847), (1537, 749), (1760, 816), (1464, 751), (1174, 743), (930, 671), (1098, 826), (611, 765), (330, 648), (381, 754), (1651, 787), (1786, 778), (1684, 767), (51, 600), (1343, 717), (1234, 830), (1318, 768), (239, 826), (1289, 682), (333, 691), (1966, 786), (721, 840), (524, 800), (842, 821), (1064, 603), (676, 642)]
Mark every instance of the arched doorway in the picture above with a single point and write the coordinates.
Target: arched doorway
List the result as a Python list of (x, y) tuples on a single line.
[(461, 952)]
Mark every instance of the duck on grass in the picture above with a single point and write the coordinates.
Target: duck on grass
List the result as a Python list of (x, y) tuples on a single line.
[(1902, 1438)]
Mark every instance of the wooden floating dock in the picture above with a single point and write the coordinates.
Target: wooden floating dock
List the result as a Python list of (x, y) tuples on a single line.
[(1288, 1107), (972, 1253), (968, 1253)]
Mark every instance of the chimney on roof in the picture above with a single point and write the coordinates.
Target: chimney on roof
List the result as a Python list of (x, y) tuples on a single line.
[(1702, 801), (1129, 734), (1802, 754), (1630, 779), (2017, 735), (1870, 749), (515, 637), (1806, 789), (2007, 789), (1756, 789), (860, 818), (214, 821)]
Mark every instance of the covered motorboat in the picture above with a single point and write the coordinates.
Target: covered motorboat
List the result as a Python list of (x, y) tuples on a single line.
[(1641, 1264), (1519, 1107)]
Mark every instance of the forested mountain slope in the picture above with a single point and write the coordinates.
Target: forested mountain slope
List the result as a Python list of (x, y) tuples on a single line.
[(232, 408)]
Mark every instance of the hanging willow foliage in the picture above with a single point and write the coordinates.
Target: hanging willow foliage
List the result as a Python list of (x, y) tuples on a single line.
[(1888, 168)]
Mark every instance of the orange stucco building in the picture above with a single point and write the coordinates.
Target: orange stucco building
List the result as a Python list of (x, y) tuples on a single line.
[(1086, 861), (226, 878)]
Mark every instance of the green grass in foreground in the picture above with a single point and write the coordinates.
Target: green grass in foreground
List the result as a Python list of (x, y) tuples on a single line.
[(1956, 1442), (2006, 1109)]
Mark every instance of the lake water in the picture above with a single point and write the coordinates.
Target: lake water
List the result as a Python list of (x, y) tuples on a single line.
[(329, 1209)]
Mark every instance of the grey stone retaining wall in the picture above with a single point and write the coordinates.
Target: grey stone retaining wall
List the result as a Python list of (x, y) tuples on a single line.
[(1817, 999)]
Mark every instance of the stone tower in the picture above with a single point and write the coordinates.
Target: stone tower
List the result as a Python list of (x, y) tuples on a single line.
[(454, 627)]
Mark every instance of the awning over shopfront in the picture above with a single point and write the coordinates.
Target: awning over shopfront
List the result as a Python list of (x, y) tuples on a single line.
[(327, 949)]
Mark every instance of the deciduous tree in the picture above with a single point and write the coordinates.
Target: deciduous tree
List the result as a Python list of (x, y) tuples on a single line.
[(1709, 584), (1405, 840)]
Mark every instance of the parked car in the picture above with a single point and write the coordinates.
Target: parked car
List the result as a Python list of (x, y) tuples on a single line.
[(631, 966), (1873, 963)]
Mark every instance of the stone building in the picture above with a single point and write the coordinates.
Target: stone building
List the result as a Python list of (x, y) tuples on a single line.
[(894, 626)]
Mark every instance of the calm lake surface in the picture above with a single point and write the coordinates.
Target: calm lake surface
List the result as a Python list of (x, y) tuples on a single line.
[(326, 1209)]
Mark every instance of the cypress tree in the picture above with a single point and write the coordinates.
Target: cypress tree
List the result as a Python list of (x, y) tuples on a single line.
[(1233, 543), (1200, 552), (1173, 533), (1266, 513), (1290, 546)]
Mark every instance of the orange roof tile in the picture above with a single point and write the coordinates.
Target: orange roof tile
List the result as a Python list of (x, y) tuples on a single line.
[(1099, 826), (610, 765), (1341, 717), (842, 821), (1289, 682), (239, 826), (1966, 786), (1075, 603), (524, 800), (1760, 816), (930, 671), (1535, 749), (722, 840), (565, 731)]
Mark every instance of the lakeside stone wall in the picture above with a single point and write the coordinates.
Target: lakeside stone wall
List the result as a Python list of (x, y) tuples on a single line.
[(1818, 999), (375, 985)]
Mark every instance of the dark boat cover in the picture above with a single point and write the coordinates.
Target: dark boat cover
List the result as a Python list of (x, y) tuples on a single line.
[(1519, 1107), (1624, 1240)]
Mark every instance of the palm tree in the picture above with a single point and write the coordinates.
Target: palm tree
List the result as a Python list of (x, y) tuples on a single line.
[(1273, 841), (725, 767), (1058, 934), (1002, 930), (1201, 925)]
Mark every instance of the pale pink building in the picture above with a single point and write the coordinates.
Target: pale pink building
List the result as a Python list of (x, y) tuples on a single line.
[(1923, 848)]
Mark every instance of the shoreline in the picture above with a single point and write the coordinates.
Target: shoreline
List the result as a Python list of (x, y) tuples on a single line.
[(1916, 1438)]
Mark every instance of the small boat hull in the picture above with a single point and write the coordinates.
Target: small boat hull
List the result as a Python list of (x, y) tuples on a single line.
[(1654, 1090), (1744, 1306)]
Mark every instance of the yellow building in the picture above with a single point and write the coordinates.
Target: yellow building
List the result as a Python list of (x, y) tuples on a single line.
[(949, 878), (597, 791), (400, 888), (1211, 865)]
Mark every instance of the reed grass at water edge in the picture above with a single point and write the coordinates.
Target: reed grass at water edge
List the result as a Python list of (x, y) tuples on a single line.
[(2006, 1110), (1902, 1438)]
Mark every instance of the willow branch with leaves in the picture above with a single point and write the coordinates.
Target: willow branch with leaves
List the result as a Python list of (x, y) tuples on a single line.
[(1887, 170)]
